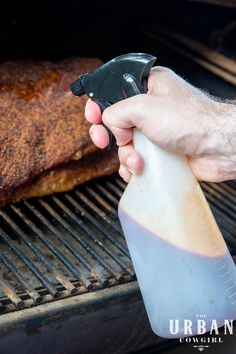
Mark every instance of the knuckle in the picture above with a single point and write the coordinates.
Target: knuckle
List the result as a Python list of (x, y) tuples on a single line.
[(163, 73), (162, 80)]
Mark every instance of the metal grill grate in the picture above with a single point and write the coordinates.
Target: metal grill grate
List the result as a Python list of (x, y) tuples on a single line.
[(72, 243)]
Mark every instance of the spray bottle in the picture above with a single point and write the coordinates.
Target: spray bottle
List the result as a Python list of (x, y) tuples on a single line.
[(185, 272)]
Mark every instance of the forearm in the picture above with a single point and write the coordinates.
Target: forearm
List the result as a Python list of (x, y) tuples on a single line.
[(217, 160), (223, 138)]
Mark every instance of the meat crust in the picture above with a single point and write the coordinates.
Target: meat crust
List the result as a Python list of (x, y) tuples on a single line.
[(44, 141), (64, 177), (40, 126)]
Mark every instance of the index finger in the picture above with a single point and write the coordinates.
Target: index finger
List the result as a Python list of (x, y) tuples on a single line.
[(92, 112)]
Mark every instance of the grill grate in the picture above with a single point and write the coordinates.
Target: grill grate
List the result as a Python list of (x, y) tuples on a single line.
[(72, 243)]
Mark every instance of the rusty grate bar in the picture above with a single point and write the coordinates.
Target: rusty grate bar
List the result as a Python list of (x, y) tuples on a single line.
[(107, 206), (10, 292), (103, 212), (58, 275), (71, 243), (31, 291), (102, 215), (65, 260), (57, 253), (87, 230), (28, 262), (95, 222)]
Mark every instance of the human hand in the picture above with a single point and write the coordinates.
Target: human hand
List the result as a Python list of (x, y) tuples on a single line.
[(177, 117)]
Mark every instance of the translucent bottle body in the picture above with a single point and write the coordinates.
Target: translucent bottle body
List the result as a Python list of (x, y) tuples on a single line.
[(183, 267)]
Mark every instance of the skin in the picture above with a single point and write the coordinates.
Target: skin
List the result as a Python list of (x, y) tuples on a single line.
[(177, 117)]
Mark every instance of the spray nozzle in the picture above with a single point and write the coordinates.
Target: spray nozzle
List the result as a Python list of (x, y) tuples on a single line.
[(77, 88)]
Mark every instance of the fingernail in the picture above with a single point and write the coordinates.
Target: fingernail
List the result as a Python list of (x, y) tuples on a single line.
[(130, 163)]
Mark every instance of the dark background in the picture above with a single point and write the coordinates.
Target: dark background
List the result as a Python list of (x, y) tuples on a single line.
[(58, 29)]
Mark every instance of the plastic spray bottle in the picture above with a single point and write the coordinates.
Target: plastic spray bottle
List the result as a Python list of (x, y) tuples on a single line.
[(185, 272)]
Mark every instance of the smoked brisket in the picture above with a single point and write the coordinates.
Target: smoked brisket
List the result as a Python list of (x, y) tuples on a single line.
[(44, 142)]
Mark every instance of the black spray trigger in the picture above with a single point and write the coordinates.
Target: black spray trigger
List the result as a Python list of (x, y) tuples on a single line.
[(120, 78), (131, 87)]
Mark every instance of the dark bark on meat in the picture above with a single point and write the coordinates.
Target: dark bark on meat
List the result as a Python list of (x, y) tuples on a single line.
[(41, 127)]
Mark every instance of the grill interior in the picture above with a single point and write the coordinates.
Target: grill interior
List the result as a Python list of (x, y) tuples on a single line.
[(72, 243), (62, 245)]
